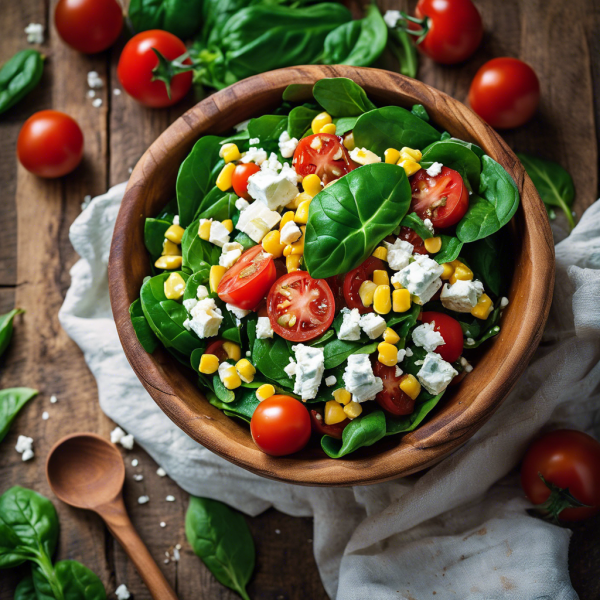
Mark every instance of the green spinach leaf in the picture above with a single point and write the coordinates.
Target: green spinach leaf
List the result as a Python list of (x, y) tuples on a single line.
[(454, 156), (154, 236), (78, 582), (341, 97), (245, 403), (143, 331), (25, 589), (423, 407), (196, 252), (479, 221), (270, 356), (491, 261), (344, 124), (297, 92), (18, 76), (12, 400), (200, 277), (222, 209), (414, 222), (6, 328), (299, 120), (362, 431), (420, 111), (182, 18), (267, 129), (337, 351), (451, 247)]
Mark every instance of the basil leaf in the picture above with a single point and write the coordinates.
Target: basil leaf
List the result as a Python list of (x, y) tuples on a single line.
[(182, 18), (405, 52), (270, 356), (299, 121), (362, 431), (490, 260), (18, 76), (221, 538), (454, 156), (451, 247), (337, 351), (25, 589), (6, 328), (196, 252), (12, 551), (392, 127), (78, 582), (341, 97), (553, 183), (394, 425), (154, 236), (12, 400), (344, 124), (414, 222), (146, 337), (350, 217)]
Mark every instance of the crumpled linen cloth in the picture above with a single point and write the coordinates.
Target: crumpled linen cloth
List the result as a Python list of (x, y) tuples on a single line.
[(459, 530)]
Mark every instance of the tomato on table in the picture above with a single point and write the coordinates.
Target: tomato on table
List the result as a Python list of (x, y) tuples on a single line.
[(450, 329), (505, 92), (323, 154), (136, 64), (50, 144), (444, 198), (240, 177), (300, 308), (280, 425), (354, 279), (392, 398), (567, 460), (321, 428), (246, 283), (412, 237)]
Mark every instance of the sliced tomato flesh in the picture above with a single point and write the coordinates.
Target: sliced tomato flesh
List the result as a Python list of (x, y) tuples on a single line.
[(320, 428), (392, 399), (354, 279)]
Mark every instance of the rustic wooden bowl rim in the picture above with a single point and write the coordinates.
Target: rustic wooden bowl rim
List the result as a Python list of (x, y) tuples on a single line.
[(152, 183)]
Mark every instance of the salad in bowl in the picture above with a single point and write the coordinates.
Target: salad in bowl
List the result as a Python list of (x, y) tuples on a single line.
[(329, 269)]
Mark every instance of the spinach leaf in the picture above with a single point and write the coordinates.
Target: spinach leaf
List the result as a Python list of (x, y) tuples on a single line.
[(410, 422), (270, 356), (267, 129), (479, 221), (406, 320), (197, 176), (474, 147), (350, 217), (341, 97), (182, 18), (200, 277), (12, 400), (25, 589), (6, 328), (246, 241), (299, 121), (154, 236), (78, 582), (244, 405), (196, 252), (491, 261), (344, 124), (221, 538), (420, 111), (143, 331), (362, 431), (392, 127), (18, 76), (451, 247), (222, 209), (553, 183), (297, 92), (454, 156), (337, 351), (404, 51), (414, 222)]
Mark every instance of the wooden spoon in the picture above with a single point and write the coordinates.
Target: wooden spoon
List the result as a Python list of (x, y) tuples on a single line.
[(87, 471)]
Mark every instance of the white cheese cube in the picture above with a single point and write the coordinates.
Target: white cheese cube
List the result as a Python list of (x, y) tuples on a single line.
[(275, 190), (240, 313), (25, 447), (426, 337), (359, 379), (399, 254), (255, 155), (241, 204), (219, 235), (189, 304), (230, 254), (116, 435), (257, 220), (206, 318), (461, 296), (436, 373), (331, 380), (435, 169), (287, 146), (290, 233), (429, 225), (310, 365), (373, 325), (362, 156), (350, 328), (127, 441), (201, 292), (263, 328), (290, 370), (271, 164), (421, 277)]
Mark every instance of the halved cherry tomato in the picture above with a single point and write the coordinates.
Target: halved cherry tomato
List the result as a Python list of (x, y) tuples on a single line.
[(392, 398), (300, 308), (450, 330), (240, 176), (280, 425), (354, 279), (324, 155), (444, 199), (319, 427), (336, 284), (216, 348), (246, 283), (412, 237)]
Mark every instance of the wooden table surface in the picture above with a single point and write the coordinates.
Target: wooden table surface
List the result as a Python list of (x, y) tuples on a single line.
[(561, 42)]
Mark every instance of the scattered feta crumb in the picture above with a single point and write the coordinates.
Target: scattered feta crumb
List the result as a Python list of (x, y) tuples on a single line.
[(163, 524), (436, 373), (255, 155), (176, 220), (116, 435), (290, 233), (373, 325), (350, 327), (219, 234), (278, 531), (331, 380), (25, 447), (461, 296), (241, 204), (176, 556), (401, 354), (364, 157), (161, 472), (128, 441), (398, 254), (53, 399), (240, 313), (91, 93), (435, 169), (166, 561), (135, 462), (35, 33), (421, 278), (45, 415), (206, 318), (287, 145), (138, 477), (274, 189), (359, 379), (94, 80), (263, 328), (230, 254), (253, 141), (465, 364), (503, 302), (426, 337), (97, 103), (391, 18), (257, 220), (409, 352), (170, 498), (470, 341), (117, 92), (122, 593), (86, 201), (429, 225), (310, 365), (398, 371), (290, 369), (143, 499)]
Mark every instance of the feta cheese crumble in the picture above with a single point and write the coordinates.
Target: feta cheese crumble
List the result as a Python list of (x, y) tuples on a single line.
[(331, 380), (399, 253), (426, 337), (25, 447), (273, 189), (255, 155), (464, 363), (138, 477), (391, 18), (287, 145), (461, 296), (143, 499), (398, 371), (429, 225), (401, 354), (503, 302), (135, 462), (421, 278), (97, 103), (290, 233), (116, 435), (359, 379), (373, 325), (122, 593), (257, 220), (53, 399), (170, 498), (350, 327), (290, 370), (362, 156), (161, 472), (310, 365), (45, 415), (230, 254), (34, 33), (205, 318), (436, 373), (435, 169), (219, 234), (241, 204), (263, 328), (94, 80), (253, 141), (127, 441), (240, 313)]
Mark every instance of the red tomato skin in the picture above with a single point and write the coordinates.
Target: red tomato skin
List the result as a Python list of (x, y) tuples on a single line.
[(505, 93), (280, 425), (137, 61), (353, 280), (89, 26), (392, 399), (50, 144), (455, 29), (216, 347), (412, 237), (307, 160), (568, 459), (240, 177), (450, 330), (320, 428)]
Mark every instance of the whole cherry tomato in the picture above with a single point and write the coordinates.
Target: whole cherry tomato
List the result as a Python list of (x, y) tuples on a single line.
[(239, 179), (450, 330), (505, 92), (50, 144)]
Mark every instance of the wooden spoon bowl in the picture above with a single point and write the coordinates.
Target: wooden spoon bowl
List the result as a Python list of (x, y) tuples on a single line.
[(462, 411)]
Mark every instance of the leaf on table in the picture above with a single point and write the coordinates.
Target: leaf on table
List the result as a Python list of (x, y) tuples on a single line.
[(12, 400), (6, 328)]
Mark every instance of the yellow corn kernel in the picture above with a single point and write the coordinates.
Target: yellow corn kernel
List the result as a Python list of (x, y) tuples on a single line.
[(388, 354), (171, 249), (366, 291), (175, 233), (228, 224), (245, 370), (390, 336), (298, 247), (169, 263), (174, 286), (410, 166), (287, 251), (233, 350), (302, 212), (320, 121), (483, 308), (204, 229), (224, 179), (229, 153), (400, 300), (215, 276), (334, 413), (342, 396), (410, 386), (287, 217), (265, 391), (382, 300), (209, 364), (231, 380), (272, 245), (411, 153), (392, 156), (292, 262), (349, 141), (380, 252), (311, 184), (299, 199), (448, 271), (381, 277), (329, 128), (433, 244), (353, 410), (461, 271)]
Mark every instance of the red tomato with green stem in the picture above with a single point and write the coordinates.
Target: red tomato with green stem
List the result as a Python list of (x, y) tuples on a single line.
[(355, 278), (323, 154), (320, 428), (450, 329), (392, 399), (560, 473), (239, 179)]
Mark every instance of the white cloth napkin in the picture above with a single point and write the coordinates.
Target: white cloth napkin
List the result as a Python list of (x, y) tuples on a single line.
[(460, 529)]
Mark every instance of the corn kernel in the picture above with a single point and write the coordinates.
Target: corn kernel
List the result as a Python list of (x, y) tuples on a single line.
[(390, 336), (233, 350), (483, 308), (209, 364), (461, 271), (382, 300), (229, 153), (272, 245), (231, 380), (311, 184), (366, 291), (302, 212), (448, 271), (342, 396), (169, 263), (215, 276), (329, 128), (224, 179), (174, 286), (411, 153), (204, 229), (353, 410), (433, 244), (410, 166), (170, 249), (175, 233), (245, 370), (334, 413), (349, 141), (410, 386), (265, 391), (228, 224), (298, 200), (286, 218), (381, 277), (287, 251), (400, 300), (292, 262), (320, 121), (388, 354), (380, 252), (392, 156)]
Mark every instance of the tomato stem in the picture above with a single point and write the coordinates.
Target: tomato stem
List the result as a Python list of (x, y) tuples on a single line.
[(559, 499), (166, 69), (404, 25)]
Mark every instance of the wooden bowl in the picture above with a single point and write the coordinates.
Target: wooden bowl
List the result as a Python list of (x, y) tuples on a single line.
[(460, 414)]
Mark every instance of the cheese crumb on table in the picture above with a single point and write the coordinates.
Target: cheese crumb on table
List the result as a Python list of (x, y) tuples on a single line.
[(94, 81), (34, 33), (122, 593), (143, 499), (116, 435), (170, 498), (127, 441), (138, 477), (161, 472), (25, 447), (135, 462), (53, 399)]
